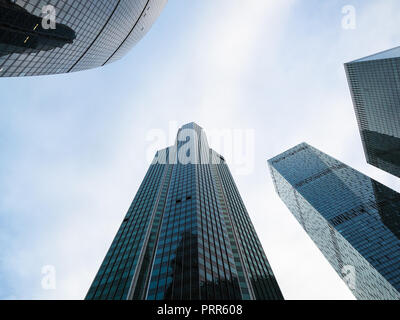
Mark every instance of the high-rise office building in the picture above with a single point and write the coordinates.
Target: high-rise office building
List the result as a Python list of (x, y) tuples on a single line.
[(187, 234), (39, 37), (374, 83), (354, 220)]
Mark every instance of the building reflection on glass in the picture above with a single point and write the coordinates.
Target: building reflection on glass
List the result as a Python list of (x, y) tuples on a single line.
[(182, 268), (185, 265), (42, 37), (22, 31), (375, 88), (388, 205), (383, 151)]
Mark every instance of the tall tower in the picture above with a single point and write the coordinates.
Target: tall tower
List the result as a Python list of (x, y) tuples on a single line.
[(39, 37), (374, 83), (353, 219), (187, 234)]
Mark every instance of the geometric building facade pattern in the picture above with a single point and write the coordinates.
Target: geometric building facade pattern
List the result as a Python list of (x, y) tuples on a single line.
[(353, 219), (187, 234), (374, 83), (39, 37)]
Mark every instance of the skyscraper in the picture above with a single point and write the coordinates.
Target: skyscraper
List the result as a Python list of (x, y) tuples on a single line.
[(374, 83), (85, 33), (187, 234), (354, 220)]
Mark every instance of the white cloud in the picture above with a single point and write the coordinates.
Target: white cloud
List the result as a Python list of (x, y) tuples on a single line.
[(73, 168)]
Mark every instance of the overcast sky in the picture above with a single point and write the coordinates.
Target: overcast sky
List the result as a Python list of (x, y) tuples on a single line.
[(74, 148)]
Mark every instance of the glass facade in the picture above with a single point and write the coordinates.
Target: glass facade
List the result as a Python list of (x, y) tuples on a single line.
[(374, 83), (86, 33), (187, 234), (353, 219)]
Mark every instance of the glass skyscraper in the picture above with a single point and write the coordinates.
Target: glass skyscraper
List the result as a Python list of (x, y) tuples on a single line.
[(86, 33), (187, 234), (354, 220), (374, 83)]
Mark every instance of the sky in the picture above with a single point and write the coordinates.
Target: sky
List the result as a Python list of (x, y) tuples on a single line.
[(74, 148)]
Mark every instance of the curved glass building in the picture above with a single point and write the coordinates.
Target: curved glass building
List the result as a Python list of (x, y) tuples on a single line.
[(39, 37)]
